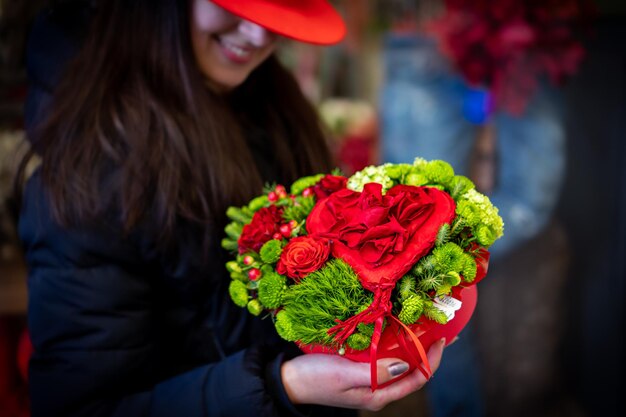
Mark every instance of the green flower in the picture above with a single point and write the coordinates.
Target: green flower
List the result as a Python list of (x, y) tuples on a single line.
[(254, 307), (270, 251), (359, 341), (481, 216), (271, 289), (469, 269), (239, 293), (449, 257), (412, 309), (397, 172), (377, 174), (439, 172), (284, 326)]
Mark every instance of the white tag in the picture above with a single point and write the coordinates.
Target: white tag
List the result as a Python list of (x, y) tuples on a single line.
[(449, 302), (447, 305)]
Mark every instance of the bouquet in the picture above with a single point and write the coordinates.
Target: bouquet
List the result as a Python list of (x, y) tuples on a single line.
[(380, 264)]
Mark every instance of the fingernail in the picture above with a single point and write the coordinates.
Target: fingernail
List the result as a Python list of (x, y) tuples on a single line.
[(398, 368)]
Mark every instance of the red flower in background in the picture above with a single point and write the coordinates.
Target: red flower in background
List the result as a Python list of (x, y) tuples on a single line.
[(507, 45), (265, 223)]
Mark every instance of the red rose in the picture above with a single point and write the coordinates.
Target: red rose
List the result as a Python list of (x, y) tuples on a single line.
[(328, 185), (303, 255), (381, 236), (265, 223)]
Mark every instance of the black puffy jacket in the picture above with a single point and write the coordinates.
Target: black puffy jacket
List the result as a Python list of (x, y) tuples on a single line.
[(123, 329)]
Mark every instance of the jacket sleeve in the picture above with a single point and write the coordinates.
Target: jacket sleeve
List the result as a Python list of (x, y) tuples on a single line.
[(95, 326)]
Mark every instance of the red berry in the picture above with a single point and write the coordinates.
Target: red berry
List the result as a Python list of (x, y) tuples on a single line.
[(248, 260), (280, 191), (272, 196), (308, 192), (277, 236), (254, 274), (285, 230), (293, 224)]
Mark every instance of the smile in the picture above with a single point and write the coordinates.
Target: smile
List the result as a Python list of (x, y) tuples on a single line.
[(235, 53)]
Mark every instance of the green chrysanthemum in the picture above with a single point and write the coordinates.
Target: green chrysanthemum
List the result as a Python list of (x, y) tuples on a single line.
[(284, 326), (412, 309), (271, 289), (397, 172), (449, 257), (481, 216), (239, 293), (270, 251), (439, 172), (359, 341), (469, 269)]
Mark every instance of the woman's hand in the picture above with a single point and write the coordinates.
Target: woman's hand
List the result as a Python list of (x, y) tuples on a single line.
[(339, 382)]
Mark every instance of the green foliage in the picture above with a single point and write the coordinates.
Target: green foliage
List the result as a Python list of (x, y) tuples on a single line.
[(233, 230), (312, 307), (258, 203), (443, 235), (229, 244), (240, 276), (239, 215), (430, 282), (406, 286), (233, 266), (303, 183), (299, 210), (459, 186), (434, 314)]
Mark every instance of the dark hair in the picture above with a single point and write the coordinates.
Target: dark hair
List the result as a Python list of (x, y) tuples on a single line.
[(134, 115)]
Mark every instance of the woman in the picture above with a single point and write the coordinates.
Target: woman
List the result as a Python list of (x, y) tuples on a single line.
[(172, 111)]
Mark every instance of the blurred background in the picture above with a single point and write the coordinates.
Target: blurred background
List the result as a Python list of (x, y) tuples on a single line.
[(527, 98)]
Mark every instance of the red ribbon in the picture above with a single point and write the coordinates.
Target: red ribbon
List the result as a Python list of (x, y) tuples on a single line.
[(376, 313)]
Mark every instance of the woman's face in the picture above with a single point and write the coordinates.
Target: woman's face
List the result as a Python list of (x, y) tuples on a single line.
[(227, 48)]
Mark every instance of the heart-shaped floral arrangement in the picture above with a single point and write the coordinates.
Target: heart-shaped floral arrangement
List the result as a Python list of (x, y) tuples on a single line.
[(377, 265)]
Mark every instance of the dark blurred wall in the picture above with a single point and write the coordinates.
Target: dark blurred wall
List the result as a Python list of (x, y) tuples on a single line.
[(593, 208)]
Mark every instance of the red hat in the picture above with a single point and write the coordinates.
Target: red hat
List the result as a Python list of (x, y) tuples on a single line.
[(311, 21)]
